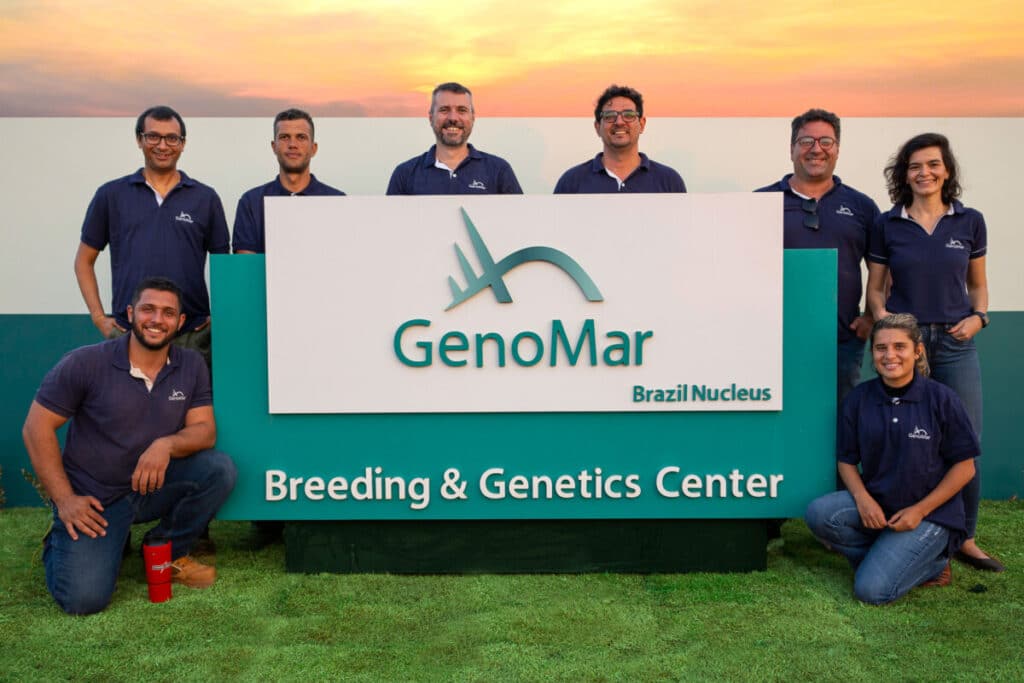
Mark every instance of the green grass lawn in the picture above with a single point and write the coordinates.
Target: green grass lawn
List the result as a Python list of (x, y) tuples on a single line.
[(797, 621)]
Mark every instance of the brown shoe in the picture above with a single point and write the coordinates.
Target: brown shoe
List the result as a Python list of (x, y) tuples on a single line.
[(944, 578), (191, 573)]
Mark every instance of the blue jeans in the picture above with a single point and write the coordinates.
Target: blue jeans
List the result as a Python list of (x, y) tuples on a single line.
[(886, 563), (81, 575), (849, 358), (955, 364)]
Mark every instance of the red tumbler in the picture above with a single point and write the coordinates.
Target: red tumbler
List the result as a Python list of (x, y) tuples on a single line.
[(156, 554)]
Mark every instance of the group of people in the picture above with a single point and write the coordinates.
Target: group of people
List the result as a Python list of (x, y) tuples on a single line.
[(140, 443)]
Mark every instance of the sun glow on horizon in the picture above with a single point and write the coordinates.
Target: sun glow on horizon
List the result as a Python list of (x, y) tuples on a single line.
[(689, 58)]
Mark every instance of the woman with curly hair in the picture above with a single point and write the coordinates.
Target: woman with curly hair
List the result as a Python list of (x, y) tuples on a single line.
[(933, 247)]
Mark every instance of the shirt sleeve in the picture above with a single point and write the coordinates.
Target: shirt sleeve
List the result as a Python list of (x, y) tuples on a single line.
[(64, 387), (878, 251), (245, 235), (96, 227), (847, 433), (562, 186), (507, 181), (959, 441), (218, 241), (678, 185), (980, 236), (397, 184), (202, 394)]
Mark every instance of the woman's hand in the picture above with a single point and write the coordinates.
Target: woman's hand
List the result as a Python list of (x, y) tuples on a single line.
[(966, 328), (906, 519), (871, 515)]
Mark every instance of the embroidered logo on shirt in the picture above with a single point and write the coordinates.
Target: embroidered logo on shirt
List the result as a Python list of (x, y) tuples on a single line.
[(954, 244), (176, 395), (919, 433), (477, 185), (183, 217), (843, 210)]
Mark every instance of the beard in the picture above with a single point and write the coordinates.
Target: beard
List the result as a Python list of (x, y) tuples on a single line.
[(141, 337)]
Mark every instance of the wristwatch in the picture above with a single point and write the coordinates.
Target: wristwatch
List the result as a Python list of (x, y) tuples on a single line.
[(983, 316)]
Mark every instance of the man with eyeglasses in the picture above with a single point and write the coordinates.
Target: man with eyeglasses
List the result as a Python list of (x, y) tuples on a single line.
[(820, 212), (453, 166), (619, 121), (157, 222), (295, 146)]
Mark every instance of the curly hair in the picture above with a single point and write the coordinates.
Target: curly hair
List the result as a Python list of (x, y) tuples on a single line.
[(896, 171)]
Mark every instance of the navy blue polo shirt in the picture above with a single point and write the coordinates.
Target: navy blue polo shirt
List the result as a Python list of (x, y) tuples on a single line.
[(845, 217), (479, 173), (906, 445), (149, 239), (590, 177), (250, 230), (929, 272), (114, 419)]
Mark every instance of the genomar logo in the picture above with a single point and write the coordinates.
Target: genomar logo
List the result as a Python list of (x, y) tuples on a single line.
[(456, 348), (493, 273)]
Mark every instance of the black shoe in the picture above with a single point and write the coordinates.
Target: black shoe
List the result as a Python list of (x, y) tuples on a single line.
[(988, 564)]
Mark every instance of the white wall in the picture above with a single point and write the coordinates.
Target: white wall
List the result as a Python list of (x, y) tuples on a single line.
[(52, 167)]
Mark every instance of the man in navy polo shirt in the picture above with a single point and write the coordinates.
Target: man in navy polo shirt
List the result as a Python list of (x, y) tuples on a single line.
[(820, 212), (295, 147), (157, 221), (139, 448), (453, 166), (619, 121)]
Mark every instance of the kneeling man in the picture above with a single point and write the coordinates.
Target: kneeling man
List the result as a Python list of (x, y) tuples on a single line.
[(139, 448)]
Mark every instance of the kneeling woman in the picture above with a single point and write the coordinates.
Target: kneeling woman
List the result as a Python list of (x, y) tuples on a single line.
[(902, 515)]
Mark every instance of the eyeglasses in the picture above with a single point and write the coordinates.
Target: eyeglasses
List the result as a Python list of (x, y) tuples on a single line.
[(154, 139), (825, 142), (628, 115), (810, 207)]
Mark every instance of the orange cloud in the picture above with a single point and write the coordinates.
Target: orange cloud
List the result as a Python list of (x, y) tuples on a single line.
[(529, 58)]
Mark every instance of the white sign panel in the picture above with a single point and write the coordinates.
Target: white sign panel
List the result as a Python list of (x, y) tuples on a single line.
[(524, 304)]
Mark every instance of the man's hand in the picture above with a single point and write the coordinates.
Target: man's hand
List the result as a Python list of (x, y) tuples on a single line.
[(106, 324), (81, 513), (152, 466), (871, 514), (906, 519), (861, 326)]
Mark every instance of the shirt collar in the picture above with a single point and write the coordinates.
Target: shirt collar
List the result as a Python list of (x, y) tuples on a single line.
[(120, 359), (431, 156), (952, 210), (786, 187), (287, 193), (597, 165), (900, 211), (139, 179), (915, 394)]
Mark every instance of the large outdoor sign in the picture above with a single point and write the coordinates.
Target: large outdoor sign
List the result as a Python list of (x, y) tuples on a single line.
[(525, 357), (524, 304)]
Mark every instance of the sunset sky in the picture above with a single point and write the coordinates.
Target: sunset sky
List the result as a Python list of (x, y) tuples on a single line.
[(525, 58)]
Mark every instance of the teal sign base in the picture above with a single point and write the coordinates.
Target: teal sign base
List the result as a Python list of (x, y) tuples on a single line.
[(701, 465)]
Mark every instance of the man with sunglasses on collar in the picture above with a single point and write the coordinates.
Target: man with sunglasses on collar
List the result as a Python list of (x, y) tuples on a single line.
[(619, 121), (820, 212)]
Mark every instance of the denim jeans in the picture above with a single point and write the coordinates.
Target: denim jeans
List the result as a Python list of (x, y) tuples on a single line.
[(849, 359), (81, 575), (887, 564), (955, 364)]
